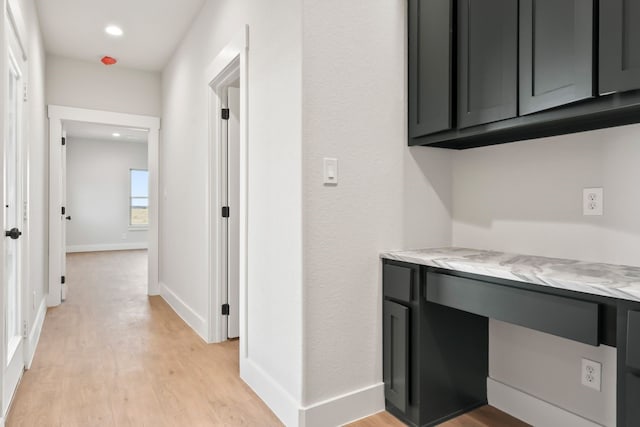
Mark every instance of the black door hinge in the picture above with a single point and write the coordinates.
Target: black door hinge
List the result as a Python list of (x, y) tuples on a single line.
[(64, 141), (63, 279), (225, 212), (225, 114), (225, 309), (64, 210)]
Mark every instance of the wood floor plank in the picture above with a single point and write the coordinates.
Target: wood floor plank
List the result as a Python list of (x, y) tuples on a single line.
[(112, 356)]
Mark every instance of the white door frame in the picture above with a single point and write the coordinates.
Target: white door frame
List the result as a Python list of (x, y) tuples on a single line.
[(58, 114), (231, 61)]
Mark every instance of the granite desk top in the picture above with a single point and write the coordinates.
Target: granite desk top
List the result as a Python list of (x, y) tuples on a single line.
[(609, 280)]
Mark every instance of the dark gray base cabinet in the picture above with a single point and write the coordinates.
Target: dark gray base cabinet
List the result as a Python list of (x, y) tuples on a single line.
[(429, 377), (435, 337)]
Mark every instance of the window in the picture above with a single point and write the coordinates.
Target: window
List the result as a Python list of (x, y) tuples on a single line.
[(139, 198)]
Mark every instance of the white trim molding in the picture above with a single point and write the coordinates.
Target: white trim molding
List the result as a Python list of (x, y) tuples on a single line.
[(531, 409), (31, 343), (57, 115), (107, 247), (186, 313), (272, 394), (344, 409), (230, 63)]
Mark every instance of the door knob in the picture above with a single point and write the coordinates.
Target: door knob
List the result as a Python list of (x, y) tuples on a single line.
[(14, 233), (68, 218)]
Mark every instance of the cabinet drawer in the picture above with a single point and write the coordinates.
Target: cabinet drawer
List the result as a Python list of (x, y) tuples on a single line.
[(565, 317), (633, 340), (398, 282)]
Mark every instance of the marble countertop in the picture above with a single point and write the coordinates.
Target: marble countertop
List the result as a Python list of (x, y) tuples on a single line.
[(617, 281)]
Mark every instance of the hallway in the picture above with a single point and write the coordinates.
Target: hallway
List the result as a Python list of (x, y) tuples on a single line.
[(110, 355)]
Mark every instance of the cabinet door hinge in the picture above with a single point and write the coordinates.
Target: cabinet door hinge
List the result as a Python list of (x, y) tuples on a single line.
[(225, 114), (225, 309)]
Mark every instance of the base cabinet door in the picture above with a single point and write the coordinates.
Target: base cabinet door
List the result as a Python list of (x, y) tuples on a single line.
[(619, 46), (396, 354)]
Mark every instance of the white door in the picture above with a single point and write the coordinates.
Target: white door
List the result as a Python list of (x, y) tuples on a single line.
[(65, 217), (233, 197), (15, 82)]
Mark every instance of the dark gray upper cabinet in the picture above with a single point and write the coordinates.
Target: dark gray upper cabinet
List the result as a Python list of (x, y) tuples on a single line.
[(556, 53), (430, 71), (487, 60), (619, 45)]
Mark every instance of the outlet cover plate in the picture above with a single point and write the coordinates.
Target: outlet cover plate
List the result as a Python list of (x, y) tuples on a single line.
[(591, 374), (593, 201)]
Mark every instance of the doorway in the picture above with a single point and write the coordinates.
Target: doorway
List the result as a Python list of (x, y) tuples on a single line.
[(230, 194), (106, 190), (227, 193), (63, 119)]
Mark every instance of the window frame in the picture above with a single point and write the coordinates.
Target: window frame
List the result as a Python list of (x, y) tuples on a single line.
[(137, 227)]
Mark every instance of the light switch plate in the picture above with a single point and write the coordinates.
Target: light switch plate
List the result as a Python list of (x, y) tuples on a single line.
[(330, 169)]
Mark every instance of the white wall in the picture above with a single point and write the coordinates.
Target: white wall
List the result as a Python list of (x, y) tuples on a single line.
[(527, 197), (275, 205), (38, 188), (348, 101), (75, 83), (389, 196), (98, 194)]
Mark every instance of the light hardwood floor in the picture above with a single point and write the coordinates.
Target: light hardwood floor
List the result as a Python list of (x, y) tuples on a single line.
[(111, 356)]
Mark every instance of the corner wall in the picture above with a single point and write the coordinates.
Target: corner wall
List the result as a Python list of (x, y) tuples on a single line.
[(275, 207), (388, 197), (526, 197)]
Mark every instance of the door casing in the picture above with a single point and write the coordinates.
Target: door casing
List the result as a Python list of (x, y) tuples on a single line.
[(58, 114)]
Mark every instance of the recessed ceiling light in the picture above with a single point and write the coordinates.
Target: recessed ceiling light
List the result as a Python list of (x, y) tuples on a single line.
[(114, 30), (116, 134)]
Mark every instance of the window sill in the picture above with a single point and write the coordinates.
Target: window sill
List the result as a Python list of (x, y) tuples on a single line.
[(138, 228)]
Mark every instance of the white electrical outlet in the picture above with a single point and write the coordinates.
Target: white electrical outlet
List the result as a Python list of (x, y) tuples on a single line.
[(591, 374), (592, 201)]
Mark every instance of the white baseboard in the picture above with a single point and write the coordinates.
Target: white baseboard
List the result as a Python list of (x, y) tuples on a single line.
[(344, 409), (190, 317), (107, 247), (34, 334), (530, 409), (330, 413), (276, 398)]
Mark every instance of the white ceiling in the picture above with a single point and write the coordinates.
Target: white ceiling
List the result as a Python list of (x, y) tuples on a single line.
[(152, 29), (83, 130)]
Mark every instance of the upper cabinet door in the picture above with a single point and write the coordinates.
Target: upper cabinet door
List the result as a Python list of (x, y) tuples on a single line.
[(487, 60), (619, 45), (556, 53), (430, 71)]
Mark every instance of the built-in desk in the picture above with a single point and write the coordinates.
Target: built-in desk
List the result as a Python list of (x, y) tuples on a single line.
[(437, 303)]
